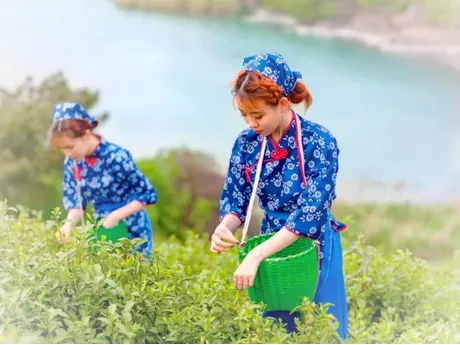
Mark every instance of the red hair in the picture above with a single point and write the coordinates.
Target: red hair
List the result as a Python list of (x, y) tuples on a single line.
[(68, 129), (251, 86)]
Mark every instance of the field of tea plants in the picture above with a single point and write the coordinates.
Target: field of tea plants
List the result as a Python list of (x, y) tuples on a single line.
[(97, 293)]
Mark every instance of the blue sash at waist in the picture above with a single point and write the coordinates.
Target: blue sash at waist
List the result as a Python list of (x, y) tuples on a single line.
[(109, 207), (283, 217)]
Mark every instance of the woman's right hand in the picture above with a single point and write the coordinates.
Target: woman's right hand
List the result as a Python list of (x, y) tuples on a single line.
[(222, 239), (63, 235)]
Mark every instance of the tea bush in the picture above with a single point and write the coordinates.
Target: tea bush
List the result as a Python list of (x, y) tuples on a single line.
[(98, 293)]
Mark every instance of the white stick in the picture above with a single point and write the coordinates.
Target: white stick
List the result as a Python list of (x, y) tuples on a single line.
[(300, 148), (254, 189), (80, 199)]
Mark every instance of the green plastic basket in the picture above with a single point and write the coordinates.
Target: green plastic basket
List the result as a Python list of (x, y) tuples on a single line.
[(113, 234), (286, 277)]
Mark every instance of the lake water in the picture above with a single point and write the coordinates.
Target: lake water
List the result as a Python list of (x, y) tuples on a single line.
[(164, 79)]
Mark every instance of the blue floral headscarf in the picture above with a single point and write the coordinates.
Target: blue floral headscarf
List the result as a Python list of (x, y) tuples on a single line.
[(273, 66), (71, 111)]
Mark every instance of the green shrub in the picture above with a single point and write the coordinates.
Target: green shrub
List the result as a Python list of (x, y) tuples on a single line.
[(400, 298), (188, 187)]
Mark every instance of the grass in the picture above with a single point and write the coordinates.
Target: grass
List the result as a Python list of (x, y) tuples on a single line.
[(430, 232)]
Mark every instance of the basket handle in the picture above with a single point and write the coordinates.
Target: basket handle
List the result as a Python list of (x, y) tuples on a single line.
[(254, 190), (300, 148)]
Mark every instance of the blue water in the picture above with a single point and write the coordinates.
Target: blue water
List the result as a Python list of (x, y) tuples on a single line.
[(164, 80)]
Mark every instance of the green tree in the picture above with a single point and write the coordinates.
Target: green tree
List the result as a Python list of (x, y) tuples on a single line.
[(30, 173)]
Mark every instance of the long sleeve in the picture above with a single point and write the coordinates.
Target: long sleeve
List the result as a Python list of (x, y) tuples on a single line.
[(311, 216), (237, 190), (139, 187), (69, 187)]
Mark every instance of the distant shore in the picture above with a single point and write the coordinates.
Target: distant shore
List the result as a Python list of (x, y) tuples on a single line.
[(410, 33), (430, 43)]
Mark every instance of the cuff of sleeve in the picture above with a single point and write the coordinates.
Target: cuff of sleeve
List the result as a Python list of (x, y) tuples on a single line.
[(298, 233), (339, 226), (241, 218), (144, 200)]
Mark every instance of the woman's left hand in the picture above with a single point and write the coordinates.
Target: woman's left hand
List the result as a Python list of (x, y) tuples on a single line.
[(246, 272), (111, 220)]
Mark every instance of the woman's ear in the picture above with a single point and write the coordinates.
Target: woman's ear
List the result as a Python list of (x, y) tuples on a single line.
[(88, 134), (284, 104)]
